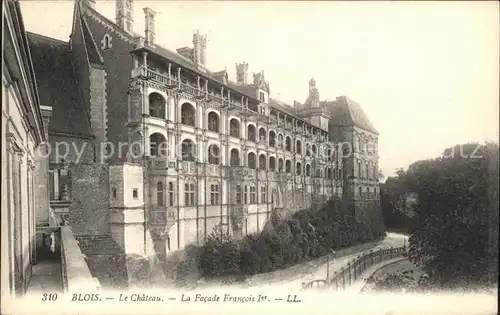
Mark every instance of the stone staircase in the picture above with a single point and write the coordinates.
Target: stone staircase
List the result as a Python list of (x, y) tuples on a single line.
[(106, 260)]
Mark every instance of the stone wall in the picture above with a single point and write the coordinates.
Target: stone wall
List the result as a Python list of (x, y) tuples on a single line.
[(89, 194)]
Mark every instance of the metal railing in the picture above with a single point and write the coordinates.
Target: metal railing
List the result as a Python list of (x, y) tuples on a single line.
[(351, 272)]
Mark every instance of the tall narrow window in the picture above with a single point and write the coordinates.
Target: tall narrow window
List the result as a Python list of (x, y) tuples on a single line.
[(159, 194), (214, 194), (238, 195), (114, 192), (245, 195), (135, 193), (367, 169), (359, 169), (253, 195), (263, 194), (171, 194), (189, 194)]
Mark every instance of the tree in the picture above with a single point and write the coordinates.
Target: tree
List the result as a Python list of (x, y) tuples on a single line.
[(456, 218)]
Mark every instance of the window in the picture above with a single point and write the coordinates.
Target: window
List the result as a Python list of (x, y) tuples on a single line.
[(360, 192), (357, 144), (262, 97), (114, 192), (245, 195), (288, 166), (106, 42), (253, 195), (367, 169), (299, 169), (272, 163), (298, 148), (263, 194), (308, 150), (171, 194), (272, 139), (213, 122), (158, 145), (189, 194), (213, 154), (235, 157), (359, 168), (251, 133), (214, 194), (262, 162), (252, 161), (262, 135), (188, 150), (238, 195), (159, 194), (280, 141), (308, 170), (157, 105), (187, 115), (234, 128), (135, 193), (280, 165), (288, 144)]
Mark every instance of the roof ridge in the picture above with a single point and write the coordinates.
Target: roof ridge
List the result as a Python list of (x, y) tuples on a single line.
[(47, 38)]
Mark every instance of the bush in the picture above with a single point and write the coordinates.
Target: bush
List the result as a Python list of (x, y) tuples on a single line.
[(305, 235)]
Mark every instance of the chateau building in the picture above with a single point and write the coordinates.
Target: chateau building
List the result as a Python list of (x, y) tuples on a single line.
[(24, 170), (171, 150)]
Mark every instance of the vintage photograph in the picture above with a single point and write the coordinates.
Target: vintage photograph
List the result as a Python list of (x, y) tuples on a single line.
[(182, 157)]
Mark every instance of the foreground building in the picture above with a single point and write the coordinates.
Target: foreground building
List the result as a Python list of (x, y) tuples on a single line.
[(208, 152)]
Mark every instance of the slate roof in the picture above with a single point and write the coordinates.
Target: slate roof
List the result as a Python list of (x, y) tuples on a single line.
[(57, 85), (346, 112)]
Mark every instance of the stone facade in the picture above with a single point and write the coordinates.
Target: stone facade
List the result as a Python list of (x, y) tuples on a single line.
[(207, 153), (24, 169)]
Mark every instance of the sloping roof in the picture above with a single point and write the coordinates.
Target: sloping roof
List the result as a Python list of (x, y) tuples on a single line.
[(57, 85), (346, 112)]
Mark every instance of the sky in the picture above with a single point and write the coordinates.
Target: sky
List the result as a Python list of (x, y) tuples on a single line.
[(426, 73)]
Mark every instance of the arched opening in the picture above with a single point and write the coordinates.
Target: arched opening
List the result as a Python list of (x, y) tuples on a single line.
[(272, 163), (157, 105), (188, 150), (235, 157), (298, 168), (308, 149), (234, 128), (288, 166), (280, 141), (298, 147), (214, 154), (308, 170), (272, 138), (251, 133), (288, 145), (262, 162), (280, 165), (251, 161), (262, 135), (314, 150), (213, 122), (188, 115), (157, 145), (330, 173), (329, 155), (160, 194)]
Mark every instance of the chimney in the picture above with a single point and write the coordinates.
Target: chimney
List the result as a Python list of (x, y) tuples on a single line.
[(242, 73), (199, 50), (150, 26), (89, 3), (124, 14)]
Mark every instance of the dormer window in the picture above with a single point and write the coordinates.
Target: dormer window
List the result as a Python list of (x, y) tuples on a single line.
[(262, 97), (106, 42)]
